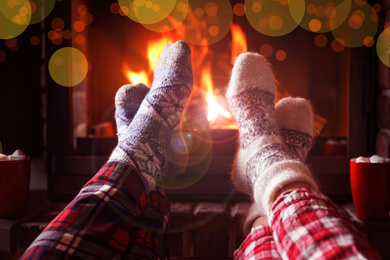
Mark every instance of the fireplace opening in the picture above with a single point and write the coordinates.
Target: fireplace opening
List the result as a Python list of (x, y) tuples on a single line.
[(122, 51)]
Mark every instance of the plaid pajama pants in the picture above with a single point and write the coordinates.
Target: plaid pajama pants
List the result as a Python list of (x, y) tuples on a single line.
[(305, 225), (111, 218)]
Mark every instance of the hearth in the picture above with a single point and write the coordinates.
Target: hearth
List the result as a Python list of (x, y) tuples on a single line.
[(339, 81)]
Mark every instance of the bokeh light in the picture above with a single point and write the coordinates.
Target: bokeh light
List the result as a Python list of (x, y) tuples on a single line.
[(206, 23), (198, 138), (266, 50), (239, 9), (338, 45), (323, 16), (147, 11), (280, 55), (320, 40), (58, 23), (35, 40), (41, 9), (68, 66), (383, 47), (79, 26), (173, 20), (361, 23), (80, 39), (274, 18), (15, 16)]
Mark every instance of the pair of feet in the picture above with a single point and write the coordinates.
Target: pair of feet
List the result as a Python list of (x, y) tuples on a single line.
[(274, 139)]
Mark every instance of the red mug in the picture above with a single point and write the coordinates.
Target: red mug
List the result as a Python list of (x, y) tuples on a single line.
[(14, 186), (370, 186)]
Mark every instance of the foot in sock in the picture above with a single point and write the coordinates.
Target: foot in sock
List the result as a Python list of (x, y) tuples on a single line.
[(294, 117), (152, 143), (127, 102), (295, 120), (262, 155)]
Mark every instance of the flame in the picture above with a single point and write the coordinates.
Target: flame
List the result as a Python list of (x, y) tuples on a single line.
[(214, 109), (218, 113), (154, 48), (135, 77), (239, 44)]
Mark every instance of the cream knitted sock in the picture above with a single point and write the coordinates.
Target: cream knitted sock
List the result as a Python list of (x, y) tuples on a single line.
[(262, 156), (295, 121)]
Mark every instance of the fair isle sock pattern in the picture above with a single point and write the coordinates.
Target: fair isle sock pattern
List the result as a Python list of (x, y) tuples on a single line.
[(127, 102), (295, 120), (254, 114), (148, 141), (262, 156), (298, 143)]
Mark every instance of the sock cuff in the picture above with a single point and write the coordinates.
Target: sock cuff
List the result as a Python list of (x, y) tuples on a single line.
[(278, 176), (119, 155)]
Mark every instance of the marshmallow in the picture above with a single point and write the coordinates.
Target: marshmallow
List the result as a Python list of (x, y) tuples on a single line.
[(362, 159), (17, 155), (376, 159)]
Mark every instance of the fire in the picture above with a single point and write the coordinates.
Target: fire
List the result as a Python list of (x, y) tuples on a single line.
[(214, 108), (239, 44), (135, 77), (154, 48), (215, 103), (218, 113)]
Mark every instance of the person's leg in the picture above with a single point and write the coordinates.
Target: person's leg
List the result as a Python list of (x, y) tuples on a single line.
[(297, 135), (121, 212), (299, 215), (294, 118)]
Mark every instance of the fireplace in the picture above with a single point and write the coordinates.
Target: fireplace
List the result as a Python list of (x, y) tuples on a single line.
[(339, 81)]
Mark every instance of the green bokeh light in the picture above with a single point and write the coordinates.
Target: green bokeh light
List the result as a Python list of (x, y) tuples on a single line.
[(68, 66), (15, 16), (274, 18), (147, 11), (323, 16), (206, 22), (173, 20), (383, 47), (360, 26), (41, 9)]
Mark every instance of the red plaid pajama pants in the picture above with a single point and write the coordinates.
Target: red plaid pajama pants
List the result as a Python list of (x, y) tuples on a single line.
[(305, 225), (111, 218)]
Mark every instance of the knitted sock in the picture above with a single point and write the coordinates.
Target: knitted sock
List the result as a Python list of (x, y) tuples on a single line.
[(262, 155), (294, 117), (128, 99), (295, 120), (152, 144)]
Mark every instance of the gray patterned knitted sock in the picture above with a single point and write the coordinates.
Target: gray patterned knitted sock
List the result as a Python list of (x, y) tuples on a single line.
[(152, 143), (128, 99), (262, 156)]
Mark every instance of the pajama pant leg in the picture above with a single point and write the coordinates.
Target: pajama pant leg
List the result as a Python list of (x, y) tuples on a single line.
[(307, 225), (111, 218), (259, 245)]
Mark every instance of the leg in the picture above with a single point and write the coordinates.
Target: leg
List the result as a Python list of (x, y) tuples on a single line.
[(121, 212), (297, 136), (273, 172)]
